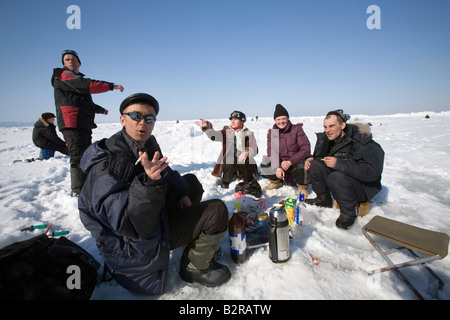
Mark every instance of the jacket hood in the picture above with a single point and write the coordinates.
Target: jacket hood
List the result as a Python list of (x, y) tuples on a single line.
[(58, 71), (41, 123), (93, 155), (360, 132)]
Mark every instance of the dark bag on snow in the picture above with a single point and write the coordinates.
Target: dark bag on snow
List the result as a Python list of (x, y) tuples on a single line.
[(44, 268), (253, 188)]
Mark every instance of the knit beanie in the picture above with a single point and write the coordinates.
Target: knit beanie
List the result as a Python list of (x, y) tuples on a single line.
[(47, 115), (69, 52), (280, 111)]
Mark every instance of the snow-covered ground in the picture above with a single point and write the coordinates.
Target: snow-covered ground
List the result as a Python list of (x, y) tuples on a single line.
[(326, 262)]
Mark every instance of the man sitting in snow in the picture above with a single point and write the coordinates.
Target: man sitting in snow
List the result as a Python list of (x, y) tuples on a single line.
[(346, 162), (287, 148), (45, 137), (138, 208), (239, 148)]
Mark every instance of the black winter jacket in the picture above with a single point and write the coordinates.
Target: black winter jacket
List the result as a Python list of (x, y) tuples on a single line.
[(45, 137), (74, 106), (358, 156), (125, 211)]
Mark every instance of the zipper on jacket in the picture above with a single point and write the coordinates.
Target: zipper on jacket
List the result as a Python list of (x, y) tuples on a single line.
[(127, 245)]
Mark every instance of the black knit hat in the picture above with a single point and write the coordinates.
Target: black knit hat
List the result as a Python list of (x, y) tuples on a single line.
[(47, 115), (70, 52), (139, 98), (238, 115), (280, 111)]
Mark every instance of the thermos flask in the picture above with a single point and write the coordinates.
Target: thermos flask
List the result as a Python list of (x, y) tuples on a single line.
[(278, 235)]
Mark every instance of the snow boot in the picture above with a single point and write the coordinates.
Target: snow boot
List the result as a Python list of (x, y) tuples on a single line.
[(346, 218), (303, 189), (225, 185), (274, 184), (197, 263), (322, 200), (77, 178)]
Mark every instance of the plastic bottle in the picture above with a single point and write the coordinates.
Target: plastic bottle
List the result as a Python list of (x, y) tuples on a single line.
[(238, 241), (300, 211), (297, 226)]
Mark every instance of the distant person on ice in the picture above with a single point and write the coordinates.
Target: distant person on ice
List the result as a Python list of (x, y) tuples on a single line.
[(239, 148), (346, 162), (138, 208), (45, 137), (76, 111), (287, 148)]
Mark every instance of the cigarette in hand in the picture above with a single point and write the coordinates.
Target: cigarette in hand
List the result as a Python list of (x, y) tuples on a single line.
[(138, 160)]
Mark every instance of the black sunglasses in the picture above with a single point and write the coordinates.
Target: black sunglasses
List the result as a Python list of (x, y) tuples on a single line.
[(136, 116)]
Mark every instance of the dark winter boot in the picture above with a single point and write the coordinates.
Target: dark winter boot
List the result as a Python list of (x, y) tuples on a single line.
[(77, 178), (198, 265), (346, 218), (322, 200), (225, 185)]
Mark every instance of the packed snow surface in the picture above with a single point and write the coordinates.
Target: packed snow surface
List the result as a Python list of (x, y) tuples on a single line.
[(326, 262)]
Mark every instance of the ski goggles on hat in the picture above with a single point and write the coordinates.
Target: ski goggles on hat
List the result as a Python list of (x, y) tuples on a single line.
[(340, 113), (238, 115), (69, 52), (136, 116)]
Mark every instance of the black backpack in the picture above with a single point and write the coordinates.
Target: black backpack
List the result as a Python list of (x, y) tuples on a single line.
[(43, 268)]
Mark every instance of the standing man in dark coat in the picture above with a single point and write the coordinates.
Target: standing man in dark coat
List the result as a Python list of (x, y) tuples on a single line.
[(76, 111), (346, 162), (45, 137), (138, 208)]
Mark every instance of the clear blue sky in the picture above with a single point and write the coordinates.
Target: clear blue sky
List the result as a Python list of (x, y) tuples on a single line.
[(206, 58)]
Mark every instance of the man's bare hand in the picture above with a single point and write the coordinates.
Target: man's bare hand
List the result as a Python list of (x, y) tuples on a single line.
[(154, 167)]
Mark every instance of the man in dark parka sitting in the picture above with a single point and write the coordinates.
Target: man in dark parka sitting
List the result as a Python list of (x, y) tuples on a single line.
[(139, 210), (346, 162)]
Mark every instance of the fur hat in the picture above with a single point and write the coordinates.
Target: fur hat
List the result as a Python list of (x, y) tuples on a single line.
[(139, 98), (47, 115), (280, 111), (69, 52)]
